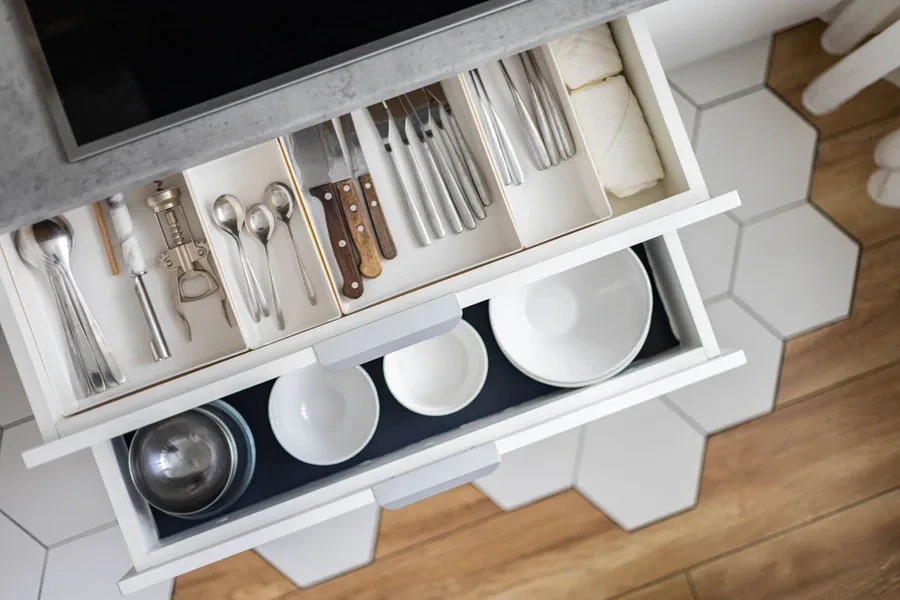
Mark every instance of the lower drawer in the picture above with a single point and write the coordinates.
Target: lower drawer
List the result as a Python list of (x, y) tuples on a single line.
[(162, 549)]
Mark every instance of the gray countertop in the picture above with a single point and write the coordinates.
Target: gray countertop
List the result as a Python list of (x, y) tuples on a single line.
[(37, 180)]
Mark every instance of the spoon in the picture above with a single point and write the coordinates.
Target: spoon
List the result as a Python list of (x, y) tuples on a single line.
[(280, 199), (261, 223), (228, 215)]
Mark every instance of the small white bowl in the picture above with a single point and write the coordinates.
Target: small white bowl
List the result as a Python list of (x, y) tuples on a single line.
[(441, 375), (324, 417), (577, 327)]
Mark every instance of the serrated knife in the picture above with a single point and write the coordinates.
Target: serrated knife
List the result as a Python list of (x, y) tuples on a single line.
[(307, 157)]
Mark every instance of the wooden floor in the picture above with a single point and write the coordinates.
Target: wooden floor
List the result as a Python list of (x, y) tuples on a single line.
[(803, 503)]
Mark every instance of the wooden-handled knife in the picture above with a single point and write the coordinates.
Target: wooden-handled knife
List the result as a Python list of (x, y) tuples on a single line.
[(306, 153), (339, 169)]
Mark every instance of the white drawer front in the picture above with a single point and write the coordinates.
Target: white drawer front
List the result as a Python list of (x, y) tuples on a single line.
[(679, 200), (436, 463)]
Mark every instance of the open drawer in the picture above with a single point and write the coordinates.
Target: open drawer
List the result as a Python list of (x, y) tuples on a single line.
[(463, 451), (680, 199)]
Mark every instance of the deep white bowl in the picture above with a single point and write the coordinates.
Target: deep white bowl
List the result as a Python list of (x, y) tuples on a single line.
[(441, 375), (324, 417), (577, 327)]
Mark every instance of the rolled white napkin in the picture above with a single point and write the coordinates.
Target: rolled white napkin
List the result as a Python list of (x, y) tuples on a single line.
[(618, 137), (587, 57)]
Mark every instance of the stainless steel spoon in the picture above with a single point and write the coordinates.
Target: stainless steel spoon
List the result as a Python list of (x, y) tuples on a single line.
[(261, 223), (228, 215), (280, 199)]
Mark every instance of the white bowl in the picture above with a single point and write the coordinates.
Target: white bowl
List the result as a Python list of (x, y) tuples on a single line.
[(577, 327), (441, 375), (324, 417)]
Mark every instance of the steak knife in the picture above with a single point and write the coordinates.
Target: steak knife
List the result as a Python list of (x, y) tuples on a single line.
[(307, 157), (339, 170), (360, 170)]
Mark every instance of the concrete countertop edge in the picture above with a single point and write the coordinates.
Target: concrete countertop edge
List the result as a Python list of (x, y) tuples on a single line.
[(37, 180)]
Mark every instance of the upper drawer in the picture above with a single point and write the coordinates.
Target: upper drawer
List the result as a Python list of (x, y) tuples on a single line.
[(543, 238)]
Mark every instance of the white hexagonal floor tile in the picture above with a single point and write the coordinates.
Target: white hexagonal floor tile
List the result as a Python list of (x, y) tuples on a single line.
[(13, 403), (725, 73), (740, 394), (759, 146), (710, 246), (21, 562), (796, 270), (326, 550), (641, 464), (687, 111), (533, 472), (53, 502), (90, 567)]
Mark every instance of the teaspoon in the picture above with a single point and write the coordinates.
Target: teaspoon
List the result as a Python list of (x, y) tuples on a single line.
[(279, 198), (261, 223), (228, 215)]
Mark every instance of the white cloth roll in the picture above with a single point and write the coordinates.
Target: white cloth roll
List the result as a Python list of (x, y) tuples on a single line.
[(587, 57), (618, 137)]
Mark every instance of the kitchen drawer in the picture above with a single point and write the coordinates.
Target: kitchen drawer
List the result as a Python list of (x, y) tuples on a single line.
[(449, 458), (680, 199)]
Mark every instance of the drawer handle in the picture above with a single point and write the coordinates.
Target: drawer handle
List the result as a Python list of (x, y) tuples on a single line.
[(437, 477), (390, 334)]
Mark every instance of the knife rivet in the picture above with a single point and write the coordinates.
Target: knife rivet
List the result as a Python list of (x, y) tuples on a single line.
[(346, 188), (328, 195), (374, 203), (368, 186), (354, 285), (352, 208), (359, 228), (341, 243)]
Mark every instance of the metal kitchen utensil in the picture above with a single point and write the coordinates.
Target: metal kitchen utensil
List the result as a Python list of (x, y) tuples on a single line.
[(440, 177), (542, 113), (562, 134), (339, 172), (186, 258), (539, 155), (304, 151), (453, 165), (137, 268), (261, 223), (54, 238), (426, 197), (228, 215), (504, 152), (385, 127), (444, 115), (184, 464), (279, 197), (360, 169)]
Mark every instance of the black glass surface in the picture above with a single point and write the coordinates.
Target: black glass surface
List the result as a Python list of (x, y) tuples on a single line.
[(120, 64)]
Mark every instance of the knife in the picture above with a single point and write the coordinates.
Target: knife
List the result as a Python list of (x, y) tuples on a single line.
[(339, 170), (306, 155), (353, 151)]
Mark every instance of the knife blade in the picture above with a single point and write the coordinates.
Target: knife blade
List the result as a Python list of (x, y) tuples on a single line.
[(306, 156), (339, 169), (360, 170)]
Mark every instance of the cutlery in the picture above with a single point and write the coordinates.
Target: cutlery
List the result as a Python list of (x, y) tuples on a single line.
[(506, 153), (426, 197), (561, 132), (339, 173), (280, 199), (137, 268), (385, 127), (360, 169), (304, 150), (439, 175), (453, 164), (539, 155), (228, 214), (444, 114), (261, 224), (542, 113)]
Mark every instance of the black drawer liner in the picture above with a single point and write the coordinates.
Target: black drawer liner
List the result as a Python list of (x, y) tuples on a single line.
[(278, 472)]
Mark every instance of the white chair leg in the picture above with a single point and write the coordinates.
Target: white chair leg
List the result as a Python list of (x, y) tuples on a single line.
[(859, 69), (857, 20), (884, 188), (887, 152)]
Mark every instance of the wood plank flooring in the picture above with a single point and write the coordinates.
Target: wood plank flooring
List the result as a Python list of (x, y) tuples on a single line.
[(800, 504)]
